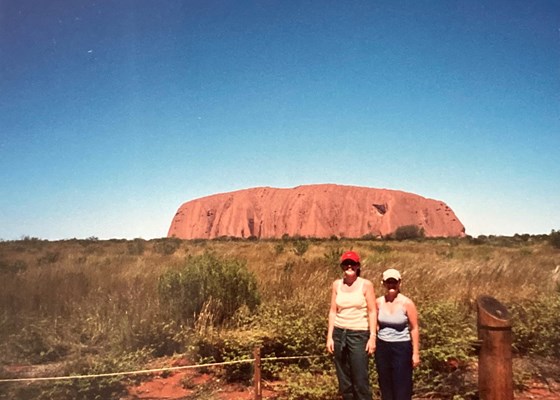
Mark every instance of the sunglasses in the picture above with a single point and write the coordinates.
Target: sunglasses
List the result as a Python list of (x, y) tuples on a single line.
[(349, 264), (390, 281)]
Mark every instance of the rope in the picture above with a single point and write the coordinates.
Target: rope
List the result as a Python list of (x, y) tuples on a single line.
[(143, 371), (290, 358), (148, 371)]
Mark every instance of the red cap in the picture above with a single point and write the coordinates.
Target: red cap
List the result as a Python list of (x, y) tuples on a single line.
[(350, 255)]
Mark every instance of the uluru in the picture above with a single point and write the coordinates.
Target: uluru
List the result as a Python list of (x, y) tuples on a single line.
[(317, 211)]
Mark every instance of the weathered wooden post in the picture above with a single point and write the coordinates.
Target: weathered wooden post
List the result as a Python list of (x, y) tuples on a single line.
[(257, 373), (495, 373)]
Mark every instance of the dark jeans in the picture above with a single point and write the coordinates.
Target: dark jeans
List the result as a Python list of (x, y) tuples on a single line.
[(393, 361), (351, 362)]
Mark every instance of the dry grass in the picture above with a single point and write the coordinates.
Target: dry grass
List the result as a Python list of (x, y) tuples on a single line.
[(64, 298)]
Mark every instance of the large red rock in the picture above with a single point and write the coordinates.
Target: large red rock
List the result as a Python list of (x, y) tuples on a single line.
[(319, 211)]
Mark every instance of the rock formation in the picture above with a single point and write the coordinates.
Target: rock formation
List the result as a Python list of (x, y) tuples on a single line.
[(319, 211)]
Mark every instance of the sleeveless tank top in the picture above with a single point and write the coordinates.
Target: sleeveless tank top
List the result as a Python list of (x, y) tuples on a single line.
[(393, 327), (351, 308)]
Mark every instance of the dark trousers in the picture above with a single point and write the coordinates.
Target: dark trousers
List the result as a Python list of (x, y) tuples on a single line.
[(351, 361), (393, 361)]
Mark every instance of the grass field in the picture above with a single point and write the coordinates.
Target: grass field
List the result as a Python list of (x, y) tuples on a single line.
[(86, 306)]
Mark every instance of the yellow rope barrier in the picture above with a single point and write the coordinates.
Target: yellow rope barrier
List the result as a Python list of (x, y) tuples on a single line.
[(144, 371), (148, 371)]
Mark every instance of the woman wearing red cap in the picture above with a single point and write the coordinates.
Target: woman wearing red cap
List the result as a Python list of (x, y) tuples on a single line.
[(352, 329), (397, 340)]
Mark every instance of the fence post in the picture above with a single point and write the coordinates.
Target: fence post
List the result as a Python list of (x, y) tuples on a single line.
[(495, 371), (257, 373)]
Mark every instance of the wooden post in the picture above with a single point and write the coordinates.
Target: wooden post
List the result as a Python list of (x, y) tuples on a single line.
[(257, 373), (495, 371)]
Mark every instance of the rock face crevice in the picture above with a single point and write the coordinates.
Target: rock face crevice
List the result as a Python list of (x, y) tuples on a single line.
[(320, 211)]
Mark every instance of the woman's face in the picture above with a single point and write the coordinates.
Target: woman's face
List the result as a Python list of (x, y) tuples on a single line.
[(392, 285), (350, 268)]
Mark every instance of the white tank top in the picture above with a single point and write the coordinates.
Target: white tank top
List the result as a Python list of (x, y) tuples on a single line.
[(351, 308), (393, 327)]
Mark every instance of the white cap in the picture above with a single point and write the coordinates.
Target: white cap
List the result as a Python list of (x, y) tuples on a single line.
[(391, 273)]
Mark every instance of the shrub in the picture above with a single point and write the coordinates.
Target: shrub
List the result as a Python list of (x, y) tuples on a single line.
[(554, 239), (286, 329), (49, 258), (300, 247), (220, 285), (309, 385), (279, 248), (234, 346), (383, 249), (136, 247), (409, 232), (40, 343), (112, 387), (447, 347), (12, 268), (160, 338), (332, 256), (167, 246), (536, 326)]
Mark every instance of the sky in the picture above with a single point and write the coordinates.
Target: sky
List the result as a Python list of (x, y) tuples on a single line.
[(114, 113)]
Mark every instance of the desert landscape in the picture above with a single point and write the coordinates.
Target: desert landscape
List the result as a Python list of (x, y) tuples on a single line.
[(180, 179), (92, 307)]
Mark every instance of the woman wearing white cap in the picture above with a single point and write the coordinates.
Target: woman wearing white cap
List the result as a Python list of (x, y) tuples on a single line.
[(398, 340), (352, 329)]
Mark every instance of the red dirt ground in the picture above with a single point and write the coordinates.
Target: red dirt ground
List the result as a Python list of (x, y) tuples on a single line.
[(186, 384), (192, 384), (173, 388)]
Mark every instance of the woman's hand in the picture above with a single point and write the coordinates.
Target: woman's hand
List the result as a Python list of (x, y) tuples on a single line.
[(370, 346), (415, 360), (330, 345)]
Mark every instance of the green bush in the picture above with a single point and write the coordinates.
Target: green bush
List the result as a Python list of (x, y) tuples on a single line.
[(160, 338), (232, 346), (536, 326), (112, 387), (136, 247), (554, 239), (219, 287), (284, 330), (383, 249), (167, 246), (300, 247), (309, 385), (409, 232), (296, 331), (279, 248), (447, 335), (332, 256), (39, 343)]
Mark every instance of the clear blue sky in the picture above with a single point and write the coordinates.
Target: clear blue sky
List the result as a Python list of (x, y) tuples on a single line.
[(114, 113)]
